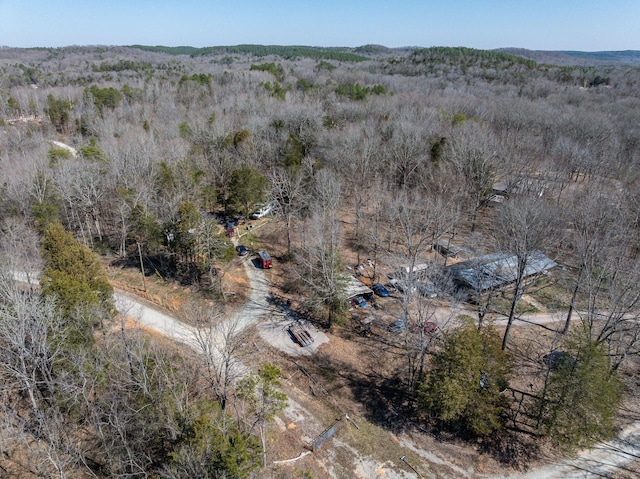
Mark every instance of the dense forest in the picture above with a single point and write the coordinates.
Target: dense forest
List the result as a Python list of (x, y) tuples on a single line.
[(131, 157)]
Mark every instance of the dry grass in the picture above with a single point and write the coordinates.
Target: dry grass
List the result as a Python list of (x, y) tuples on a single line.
[(173, 297)]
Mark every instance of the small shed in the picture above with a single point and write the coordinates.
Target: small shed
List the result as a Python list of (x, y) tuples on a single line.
[(502, 188), (420, 271), (357, 288), (447, 249), (518, 186)]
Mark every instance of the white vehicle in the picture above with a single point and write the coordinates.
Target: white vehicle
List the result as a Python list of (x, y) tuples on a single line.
[(263, 211)]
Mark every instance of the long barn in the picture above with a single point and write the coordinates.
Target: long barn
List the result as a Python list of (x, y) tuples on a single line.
[(496, 270)]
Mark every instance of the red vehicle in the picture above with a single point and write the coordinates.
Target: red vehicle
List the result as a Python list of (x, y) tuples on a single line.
[(428, 327), (264, 260)]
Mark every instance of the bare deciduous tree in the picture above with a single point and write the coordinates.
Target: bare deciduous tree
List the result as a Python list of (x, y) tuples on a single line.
[(322, 268), (473, 157), (220, 340), (406, 153), (524, 226), (289, 193), (20, 248), (594, 229), (415, 222)]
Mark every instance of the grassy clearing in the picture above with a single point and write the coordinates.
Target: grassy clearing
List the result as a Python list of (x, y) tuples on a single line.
[(501, 305), (158, 290), (551, 293)]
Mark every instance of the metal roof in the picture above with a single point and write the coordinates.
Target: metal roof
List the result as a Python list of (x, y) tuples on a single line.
[(497, 269), (356, 288)]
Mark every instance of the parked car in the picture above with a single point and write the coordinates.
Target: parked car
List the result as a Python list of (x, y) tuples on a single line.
[(242, 250), (397, 326), (380, 290), (358, 301), (402, 286), (559, 359)]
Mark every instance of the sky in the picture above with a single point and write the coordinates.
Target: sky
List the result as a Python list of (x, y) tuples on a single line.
[(586, 25)]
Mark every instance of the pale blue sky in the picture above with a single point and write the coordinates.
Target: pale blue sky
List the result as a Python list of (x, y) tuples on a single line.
[(587, 25)]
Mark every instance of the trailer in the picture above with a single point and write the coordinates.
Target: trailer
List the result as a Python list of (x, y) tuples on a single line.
[(300, 335)]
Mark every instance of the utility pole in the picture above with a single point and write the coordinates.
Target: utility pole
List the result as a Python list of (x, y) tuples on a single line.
[(144, 281)]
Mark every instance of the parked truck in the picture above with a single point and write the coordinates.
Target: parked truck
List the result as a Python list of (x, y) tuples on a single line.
[(264, 260)]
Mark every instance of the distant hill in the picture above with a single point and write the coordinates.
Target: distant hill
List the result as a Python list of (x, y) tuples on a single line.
[(368, 52), (469, 56), (290, 52), (576, 58)]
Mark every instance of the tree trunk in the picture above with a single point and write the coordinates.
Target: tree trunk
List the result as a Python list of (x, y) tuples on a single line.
[(289, 233), (567, 322), (512, 311)]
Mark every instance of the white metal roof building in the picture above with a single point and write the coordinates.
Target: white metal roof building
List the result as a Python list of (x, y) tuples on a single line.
[(495, 270)]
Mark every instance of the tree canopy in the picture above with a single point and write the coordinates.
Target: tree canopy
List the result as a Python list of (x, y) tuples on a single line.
[(462, 389), (247, 187), (73, 274), (580, 398)]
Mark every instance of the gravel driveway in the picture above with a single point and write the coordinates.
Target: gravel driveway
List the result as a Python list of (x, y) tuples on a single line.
[(257, 307)]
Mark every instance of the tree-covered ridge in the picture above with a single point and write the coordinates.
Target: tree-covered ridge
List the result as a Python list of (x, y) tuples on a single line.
[(288, 52), (182, 50), (373, 50), (497, 66), (578, 58), (469, 57)]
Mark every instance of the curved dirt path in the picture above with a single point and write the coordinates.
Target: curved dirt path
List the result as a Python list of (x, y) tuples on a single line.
[(148, 317), (252, 311), (598, 462), (448, 314)]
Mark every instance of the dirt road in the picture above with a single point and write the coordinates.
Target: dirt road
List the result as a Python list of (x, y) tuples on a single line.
[(600, 461), (255, 308)]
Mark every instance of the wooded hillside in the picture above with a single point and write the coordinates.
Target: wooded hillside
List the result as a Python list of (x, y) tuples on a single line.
[(367, 153)]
